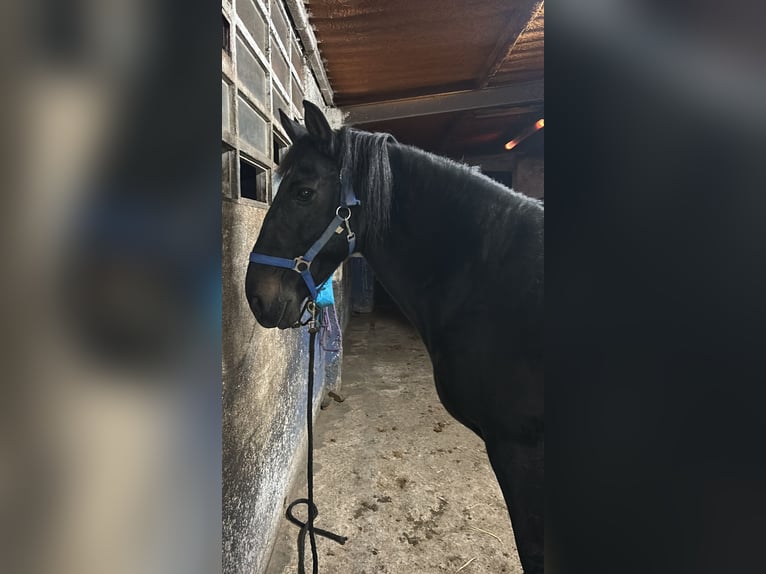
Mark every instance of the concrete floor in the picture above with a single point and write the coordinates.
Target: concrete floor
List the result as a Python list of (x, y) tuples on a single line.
[(409, 486)]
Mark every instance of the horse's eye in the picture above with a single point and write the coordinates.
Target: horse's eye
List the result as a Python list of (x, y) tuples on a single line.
[(304, 194)]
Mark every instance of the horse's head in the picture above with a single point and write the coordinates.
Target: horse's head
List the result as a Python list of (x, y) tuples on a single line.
[(305, 204)]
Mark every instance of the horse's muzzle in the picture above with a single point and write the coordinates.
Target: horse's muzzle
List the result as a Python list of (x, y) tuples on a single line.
[(273, 303)]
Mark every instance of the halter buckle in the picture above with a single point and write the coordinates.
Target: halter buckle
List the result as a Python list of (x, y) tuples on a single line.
[(312, 323)]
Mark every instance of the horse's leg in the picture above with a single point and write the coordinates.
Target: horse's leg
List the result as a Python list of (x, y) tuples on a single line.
[(519, 469)]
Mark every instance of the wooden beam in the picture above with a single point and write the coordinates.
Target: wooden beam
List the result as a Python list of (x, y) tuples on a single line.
[(510, 95)]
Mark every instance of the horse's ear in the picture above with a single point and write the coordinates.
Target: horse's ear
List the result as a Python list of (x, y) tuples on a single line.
[(293, 128), (317, 125)]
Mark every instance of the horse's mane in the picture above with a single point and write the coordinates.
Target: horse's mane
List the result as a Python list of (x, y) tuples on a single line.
[(365, 157)]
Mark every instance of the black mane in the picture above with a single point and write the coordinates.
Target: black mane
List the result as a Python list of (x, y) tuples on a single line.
[(365, 156)]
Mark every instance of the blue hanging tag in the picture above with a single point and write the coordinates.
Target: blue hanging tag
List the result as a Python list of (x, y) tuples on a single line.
[(325, 296)]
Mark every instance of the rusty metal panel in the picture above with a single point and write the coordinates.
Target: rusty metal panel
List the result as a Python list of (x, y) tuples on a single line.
[(383, 50), (450, 76), (525, 60)]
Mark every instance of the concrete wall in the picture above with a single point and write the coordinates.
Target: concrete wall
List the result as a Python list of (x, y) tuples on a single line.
[(264, 397), (529, 176), (264, 371)]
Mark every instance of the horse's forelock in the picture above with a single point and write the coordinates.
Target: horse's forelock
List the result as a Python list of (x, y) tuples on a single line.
[(292, 156)]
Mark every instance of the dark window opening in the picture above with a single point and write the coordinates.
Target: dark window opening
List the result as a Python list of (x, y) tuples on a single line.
[(226, 36), (252, 181), (279, 149)]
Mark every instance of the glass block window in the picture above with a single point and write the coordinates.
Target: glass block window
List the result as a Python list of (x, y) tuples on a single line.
[(254, 22), (252, 127), (250, 72), (279, 65), (296, 55), (297, 95), (280, 24), (279, 103)]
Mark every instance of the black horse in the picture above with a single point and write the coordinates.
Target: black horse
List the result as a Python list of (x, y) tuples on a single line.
[(460, 254)]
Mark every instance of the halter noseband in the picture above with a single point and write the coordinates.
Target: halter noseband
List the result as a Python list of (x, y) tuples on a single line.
[(302, 263)]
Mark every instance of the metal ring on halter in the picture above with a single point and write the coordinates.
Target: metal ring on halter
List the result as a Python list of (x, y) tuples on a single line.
[(310, 308), (301, 261), (348, 212)]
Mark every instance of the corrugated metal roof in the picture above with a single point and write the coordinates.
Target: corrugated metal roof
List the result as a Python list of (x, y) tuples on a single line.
[(525, 59), (379, 51)]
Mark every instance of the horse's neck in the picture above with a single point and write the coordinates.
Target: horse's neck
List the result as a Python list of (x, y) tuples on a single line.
[(424, 259)]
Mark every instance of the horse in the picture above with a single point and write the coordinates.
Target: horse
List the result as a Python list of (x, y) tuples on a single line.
[(460, 254)]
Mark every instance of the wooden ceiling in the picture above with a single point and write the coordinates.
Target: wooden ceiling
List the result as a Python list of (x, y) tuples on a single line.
[(456, 77)]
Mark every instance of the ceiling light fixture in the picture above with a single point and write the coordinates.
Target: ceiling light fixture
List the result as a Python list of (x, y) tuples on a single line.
[(538, 125)]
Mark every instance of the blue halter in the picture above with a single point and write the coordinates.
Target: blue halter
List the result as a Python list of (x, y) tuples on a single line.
[(302, 263)]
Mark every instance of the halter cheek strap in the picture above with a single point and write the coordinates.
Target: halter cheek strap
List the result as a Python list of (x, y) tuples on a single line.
[(302, 263)]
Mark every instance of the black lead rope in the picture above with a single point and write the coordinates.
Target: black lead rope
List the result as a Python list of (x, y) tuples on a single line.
[(313, 512)]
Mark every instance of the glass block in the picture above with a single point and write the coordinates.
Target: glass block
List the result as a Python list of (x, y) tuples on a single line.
[(250, 72), (279, 103), (296, 55), (252, 127), (254, 22), (297, 95), (280, 68), (280, 24)]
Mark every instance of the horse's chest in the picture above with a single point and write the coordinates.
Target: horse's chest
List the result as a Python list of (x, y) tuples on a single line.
[(457, 388)]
